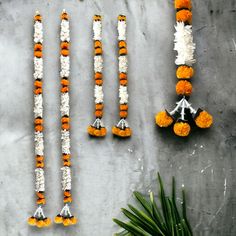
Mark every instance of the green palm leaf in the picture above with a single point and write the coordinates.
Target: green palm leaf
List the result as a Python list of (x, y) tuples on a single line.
[(151, 220)]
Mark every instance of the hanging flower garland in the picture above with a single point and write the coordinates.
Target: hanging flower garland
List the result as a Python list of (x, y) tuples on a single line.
[(39, 219), (185, 47), (122, 128), (97, 129), (65, 217)]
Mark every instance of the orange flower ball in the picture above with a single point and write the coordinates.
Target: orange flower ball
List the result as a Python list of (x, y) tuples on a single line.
[(184, 87), (182, 129), (58, 219), (47, 222), (163, 119), (32, 221), (184, 72), (184, 15), (73, 220), (204, 120), (183, 4)]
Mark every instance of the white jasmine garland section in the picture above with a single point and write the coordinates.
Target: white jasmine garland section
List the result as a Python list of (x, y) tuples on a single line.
[(97, 30), (66, 178), (39, 180), (65, 31), (65, 104), (38, 68), (121, 30), (98, 94), (184, 44), (123, 64), (38, 143), (65, 66), (123, 94), (65, 141), (98, 64), (38, 105), (38, 32)]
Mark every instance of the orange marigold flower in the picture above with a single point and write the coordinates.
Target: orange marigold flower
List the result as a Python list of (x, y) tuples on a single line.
[(122, 44), (39, 164), (163, 119), (40, 224), (184, 72), (38, 91), (32, 221), (38, 121), (123, 114), (38, 47), (38, 84), (65, 120), (39, 128), (123, 82), (184, 15), (123, 51), (98, 113), (99, 106), (38, 18), (124, 107), (67, 199), (73, 220), (183, 4), (66, 222), (65, 89), (182, 129), (65, 45), (203, 120), (41, 201), (65, 126), (97, 44), (66, 163), (47, 222), (98, 82), (66, 156), (58, 219), (184, 87), (123, 76), (67, 193), (64, 16), (98, 51), (39, 158), (65, 52), (40, 195), (65, 82), (38, 53), (98, 75)]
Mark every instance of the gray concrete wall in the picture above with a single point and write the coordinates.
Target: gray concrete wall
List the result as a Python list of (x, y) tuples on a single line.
[(106, 171)]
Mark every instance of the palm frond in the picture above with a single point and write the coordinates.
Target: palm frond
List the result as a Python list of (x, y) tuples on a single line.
[(150, 220)]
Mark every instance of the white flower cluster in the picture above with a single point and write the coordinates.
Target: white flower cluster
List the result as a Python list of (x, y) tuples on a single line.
[(184, 44), (98, 94), (65, 141), (65, 66), (38, 143), (66, 178), (65, 31), (38, 32), (121, 30), (98, 63), (97, 30), (65, 104), (39, 180), (38, 105), (123, 64), (38, 68), (123, 94)]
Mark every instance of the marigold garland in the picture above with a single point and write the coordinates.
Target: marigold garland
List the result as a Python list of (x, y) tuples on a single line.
[(39, 219), (97, 129), (185, 48), (122, 128), (65, 217)]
